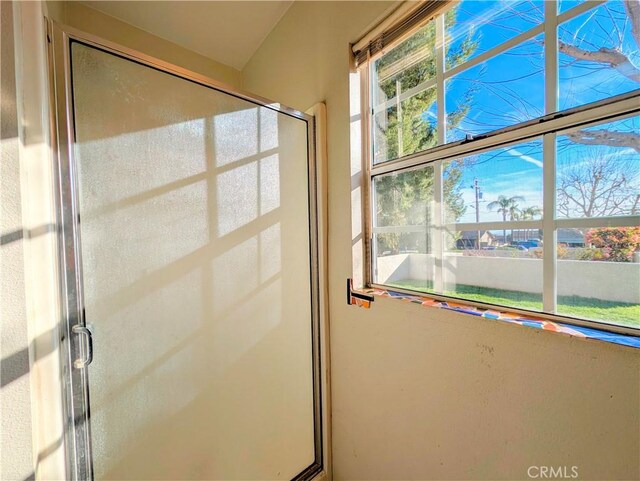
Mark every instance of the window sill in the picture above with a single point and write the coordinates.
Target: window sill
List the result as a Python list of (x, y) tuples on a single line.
[(510, 317)]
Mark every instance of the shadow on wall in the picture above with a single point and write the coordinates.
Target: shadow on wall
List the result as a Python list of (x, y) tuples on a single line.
[(16, 443), (195, 255)]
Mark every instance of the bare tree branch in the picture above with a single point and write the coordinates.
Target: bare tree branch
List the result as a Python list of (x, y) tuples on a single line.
[(604, 55), (606, 137), (597, 186), (633, 12)]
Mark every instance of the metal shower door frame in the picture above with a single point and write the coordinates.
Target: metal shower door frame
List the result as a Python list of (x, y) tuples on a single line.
[(74, 347)]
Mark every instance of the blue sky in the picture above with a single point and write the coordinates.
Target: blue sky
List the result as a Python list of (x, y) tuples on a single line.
[(509, 88), (511, 171)]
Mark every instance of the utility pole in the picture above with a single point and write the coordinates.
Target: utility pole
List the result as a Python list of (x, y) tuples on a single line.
[(477, 192)]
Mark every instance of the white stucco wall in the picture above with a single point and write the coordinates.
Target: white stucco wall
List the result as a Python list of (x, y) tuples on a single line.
[(395, 268), (609, 281), (614, 281)]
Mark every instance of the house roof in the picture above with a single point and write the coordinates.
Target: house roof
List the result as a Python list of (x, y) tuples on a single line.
[(472, 234), (570, 236)]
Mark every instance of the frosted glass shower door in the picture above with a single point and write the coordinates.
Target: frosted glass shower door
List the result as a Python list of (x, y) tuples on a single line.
[(194, 261)]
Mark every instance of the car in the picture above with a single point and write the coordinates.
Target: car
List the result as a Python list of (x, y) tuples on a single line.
[(529, 244)]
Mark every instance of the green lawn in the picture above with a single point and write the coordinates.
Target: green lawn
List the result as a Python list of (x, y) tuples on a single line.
[(613, 312)]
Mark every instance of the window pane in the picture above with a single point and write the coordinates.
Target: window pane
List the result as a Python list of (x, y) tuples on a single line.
[(599, 274), (564, 5), (598, 170), (505, 90), (503, 275), (597, 167), (405, 128), (405, 77), (403, 213), (598, 56), (475, 27), (499, 185), (412, 266)]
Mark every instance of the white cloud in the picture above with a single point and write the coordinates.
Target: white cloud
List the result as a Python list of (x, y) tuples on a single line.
[(526, 158)]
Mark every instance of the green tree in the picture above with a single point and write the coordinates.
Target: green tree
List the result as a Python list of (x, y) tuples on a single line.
[(406, 127), (529, 213), (508, 207), (514, 214), (403, 199)]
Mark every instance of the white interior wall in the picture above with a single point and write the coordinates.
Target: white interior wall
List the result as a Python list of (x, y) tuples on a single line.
[(16, 444), (31, 440), (421, 393)]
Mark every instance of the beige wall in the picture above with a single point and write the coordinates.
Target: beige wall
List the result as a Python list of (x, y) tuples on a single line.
[(32, 421), (15, 404), (427, 394), (77, 15)]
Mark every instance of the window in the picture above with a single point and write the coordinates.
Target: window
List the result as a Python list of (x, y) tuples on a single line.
[(504, 142)]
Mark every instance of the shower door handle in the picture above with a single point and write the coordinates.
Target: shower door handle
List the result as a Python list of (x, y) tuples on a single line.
[(86, 334)]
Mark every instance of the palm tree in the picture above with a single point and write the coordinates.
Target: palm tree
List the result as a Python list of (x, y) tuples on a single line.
[(514, 214), (530, 213), (507, 206)]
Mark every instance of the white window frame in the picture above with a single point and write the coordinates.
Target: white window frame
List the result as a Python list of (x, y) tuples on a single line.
[(547, 128)]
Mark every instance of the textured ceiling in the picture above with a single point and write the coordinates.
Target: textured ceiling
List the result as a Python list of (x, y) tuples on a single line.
[(226, 31)]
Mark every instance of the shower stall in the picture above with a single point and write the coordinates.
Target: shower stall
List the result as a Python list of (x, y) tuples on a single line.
[(188, 251)]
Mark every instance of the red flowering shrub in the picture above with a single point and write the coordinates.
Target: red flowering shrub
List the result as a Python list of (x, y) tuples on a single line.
[(616, 244)]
